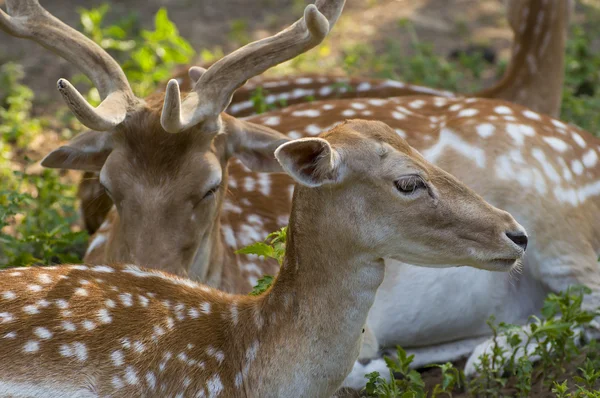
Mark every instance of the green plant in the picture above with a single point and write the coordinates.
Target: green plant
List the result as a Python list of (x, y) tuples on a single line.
[(148, 57), (272, 247), (581, 94), (405, 382), (36, 226), (16, 124), (259, 101)]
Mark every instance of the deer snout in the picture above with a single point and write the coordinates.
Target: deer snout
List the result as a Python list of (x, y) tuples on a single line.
[(519, 238)]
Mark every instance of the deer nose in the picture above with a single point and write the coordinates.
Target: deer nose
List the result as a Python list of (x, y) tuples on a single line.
[(519, 238)]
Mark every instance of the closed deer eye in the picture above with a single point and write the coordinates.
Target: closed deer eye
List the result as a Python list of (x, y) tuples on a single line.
[(211, 192), (409, 185)]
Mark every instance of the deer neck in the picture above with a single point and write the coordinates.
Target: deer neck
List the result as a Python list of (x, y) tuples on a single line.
[(321, 297), (534, 77)]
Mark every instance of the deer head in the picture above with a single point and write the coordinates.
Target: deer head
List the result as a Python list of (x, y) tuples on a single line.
[(144, 148), (395, 202)]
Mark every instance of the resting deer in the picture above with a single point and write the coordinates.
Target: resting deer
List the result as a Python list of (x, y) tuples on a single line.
[(533, 78), (122, 331)]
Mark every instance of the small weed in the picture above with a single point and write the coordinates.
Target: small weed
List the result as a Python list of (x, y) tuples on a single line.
[(272, 247)]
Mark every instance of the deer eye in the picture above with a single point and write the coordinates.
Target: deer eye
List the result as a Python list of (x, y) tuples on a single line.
[(211, 192), (107, 191), (409, 184)]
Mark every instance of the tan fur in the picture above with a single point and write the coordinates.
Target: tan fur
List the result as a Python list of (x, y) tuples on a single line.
[(122, 331)]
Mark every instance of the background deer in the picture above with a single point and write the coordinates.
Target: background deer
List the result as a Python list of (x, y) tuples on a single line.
[(534, 78), (123, 331)]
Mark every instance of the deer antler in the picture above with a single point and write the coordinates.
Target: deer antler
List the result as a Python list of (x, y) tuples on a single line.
[(213, 91), (28, 19)]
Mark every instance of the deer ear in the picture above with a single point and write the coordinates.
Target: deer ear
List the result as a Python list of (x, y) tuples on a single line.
[(310, 161), (88, 152), (254, 144)]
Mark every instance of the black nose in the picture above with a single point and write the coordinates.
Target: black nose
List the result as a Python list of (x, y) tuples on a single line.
[(519, 238)]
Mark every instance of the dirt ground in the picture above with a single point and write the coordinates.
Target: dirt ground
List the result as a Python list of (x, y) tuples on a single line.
[(448, 24)]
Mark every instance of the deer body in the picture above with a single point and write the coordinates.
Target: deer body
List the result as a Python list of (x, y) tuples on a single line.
[(121, 330)]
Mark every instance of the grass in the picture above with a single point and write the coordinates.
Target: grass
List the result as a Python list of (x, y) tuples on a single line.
[(39, 218)]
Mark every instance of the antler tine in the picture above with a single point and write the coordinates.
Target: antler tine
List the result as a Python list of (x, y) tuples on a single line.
[(28, 19), (213, 91)]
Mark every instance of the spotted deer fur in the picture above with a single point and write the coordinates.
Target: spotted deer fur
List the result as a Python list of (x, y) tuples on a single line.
[(533, 78), (543, 171), (123, 331)]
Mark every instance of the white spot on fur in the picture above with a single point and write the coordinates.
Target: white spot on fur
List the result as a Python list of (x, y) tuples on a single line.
[(34, 288), (110, 303), (131, 376), (126, 299), (348, 113), (467, 113), (272, 121), (215, 353), (44, 278), (215, 387), (68, 326), (485, 130), (579, 139), (9, 295), (103, 268), (417, 104), (503, 110), (81, 292), (398, 115), (31, 346), (143, 300), (364, 86), (117, 357), (234, 314), (88, 325), (377, 101), (117, 382), (6, 317), (312, 129), (139, 347), (151, 380), (104, 316), (11, 335), (577, 167), (307, 113), (518, 132), (448, 139), (31, 309), (549, 170), (556, 143), (590, 158), (531, 115), (42, 333)]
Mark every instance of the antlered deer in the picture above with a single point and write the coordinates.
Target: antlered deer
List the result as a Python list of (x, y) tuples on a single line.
[(124, 331), (533, 78)]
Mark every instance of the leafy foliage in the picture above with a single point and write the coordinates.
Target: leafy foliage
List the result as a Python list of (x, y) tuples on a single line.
[(148, 57), (272, 247)]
